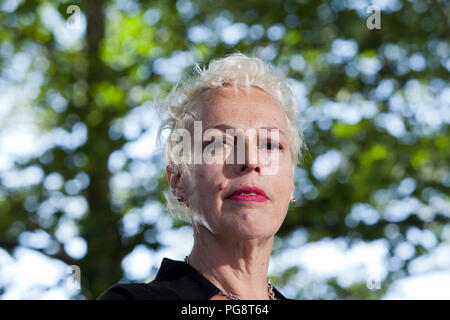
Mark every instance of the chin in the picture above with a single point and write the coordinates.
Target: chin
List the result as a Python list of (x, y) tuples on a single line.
[(250, 228)]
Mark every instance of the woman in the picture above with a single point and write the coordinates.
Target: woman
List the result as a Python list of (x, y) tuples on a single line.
[(236, 187)]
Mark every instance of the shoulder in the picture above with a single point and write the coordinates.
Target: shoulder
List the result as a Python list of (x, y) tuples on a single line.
[(138, 291)]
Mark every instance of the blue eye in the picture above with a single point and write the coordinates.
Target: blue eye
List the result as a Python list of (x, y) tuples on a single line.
[(273, 145), (220, 143)]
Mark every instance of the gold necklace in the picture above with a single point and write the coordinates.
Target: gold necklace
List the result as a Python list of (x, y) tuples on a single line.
[(233, 297)]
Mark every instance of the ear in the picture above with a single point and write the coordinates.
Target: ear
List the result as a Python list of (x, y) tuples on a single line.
[(172, 177), (293, 190), (294, 166)]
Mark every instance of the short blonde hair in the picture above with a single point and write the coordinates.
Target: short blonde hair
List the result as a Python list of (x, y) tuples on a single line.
[(232, 70)]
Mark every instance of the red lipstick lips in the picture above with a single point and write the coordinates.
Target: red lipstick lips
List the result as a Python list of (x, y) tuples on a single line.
[(248, 193)]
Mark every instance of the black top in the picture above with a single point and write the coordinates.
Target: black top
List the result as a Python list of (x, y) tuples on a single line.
[(175, 280)]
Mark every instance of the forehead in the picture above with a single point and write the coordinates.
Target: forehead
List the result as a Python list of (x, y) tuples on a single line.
[(240, 109)]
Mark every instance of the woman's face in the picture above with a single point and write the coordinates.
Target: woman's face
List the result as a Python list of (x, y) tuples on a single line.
[(209, 186)]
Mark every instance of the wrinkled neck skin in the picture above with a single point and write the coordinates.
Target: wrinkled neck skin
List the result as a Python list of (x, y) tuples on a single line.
[(238, 266)]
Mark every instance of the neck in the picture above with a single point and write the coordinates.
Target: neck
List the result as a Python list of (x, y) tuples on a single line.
[(233, 265)]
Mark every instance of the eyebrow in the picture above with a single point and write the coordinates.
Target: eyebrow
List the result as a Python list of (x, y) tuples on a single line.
[(224, 126)]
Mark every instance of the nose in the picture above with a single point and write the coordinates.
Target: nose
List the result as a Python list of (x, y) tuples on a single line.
[(248, 168), (250, 161)]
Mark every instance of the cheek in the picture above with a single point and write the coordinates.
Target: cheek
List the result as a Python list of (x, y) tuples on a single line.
[(206, 184), (283, 166), (204, 174), (284, 180)]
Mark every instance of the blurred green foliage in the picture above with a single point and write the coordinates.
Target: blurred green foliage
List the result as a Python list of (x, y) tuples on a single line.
[(118, 63)]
